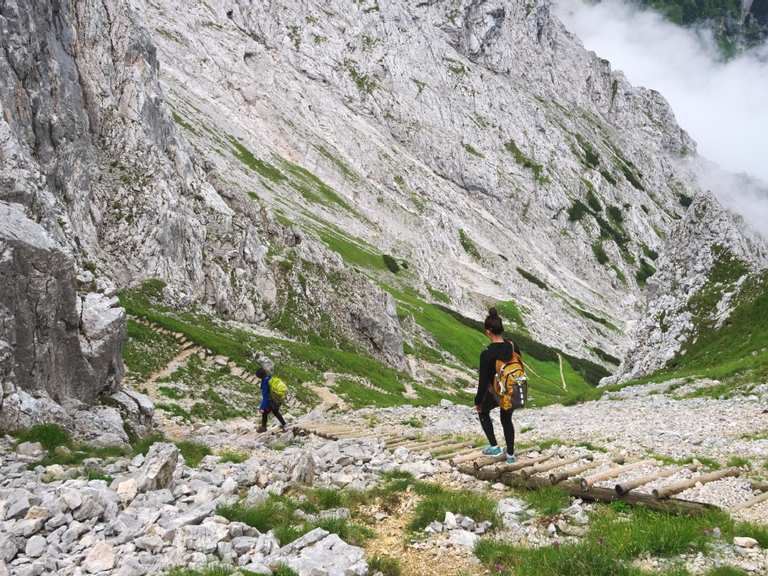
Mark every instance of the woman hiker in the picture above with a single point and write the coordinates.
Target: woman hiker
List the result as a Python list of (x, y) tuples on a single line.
[(270, 402), (485, 399)]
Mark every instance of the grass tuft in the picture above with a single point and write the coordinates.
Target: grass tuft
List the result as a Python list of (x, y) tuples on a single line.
[(193, 452), (437, 502), (386, 565)]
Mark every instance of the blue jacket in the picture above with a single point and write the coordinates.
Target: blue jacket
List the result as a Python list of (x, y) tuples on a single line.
[(265, 404)]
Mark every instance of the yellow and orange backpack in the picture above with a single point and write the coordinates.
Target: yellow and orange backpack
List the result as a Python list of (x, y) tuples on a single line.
[(510, 384)]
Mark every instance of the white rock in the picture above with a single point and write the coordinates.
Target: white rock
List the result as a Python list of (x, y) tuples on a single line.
[(463, 538), (35, 546), (450, 521), (127, 490), (745, 542), (99, 558), (30, 449)]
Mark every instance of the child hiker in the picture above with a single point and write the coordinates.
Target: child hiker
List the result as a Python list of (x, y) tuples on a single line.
[(272, 396)]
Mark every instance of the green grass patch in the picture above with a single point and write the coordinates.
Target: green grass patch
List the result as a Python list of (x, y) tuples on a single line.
[(577, 211), (526, 162), (386, 565), (599, 251), (548, 500), (510, 312), (342, 166), (50, 436), (233, 456), (646, 271), (613, 541), (278, 513), (391, 263), (146, 351), (738, 462), (434, 506), (472, 150), (193, 452), (261, 167)]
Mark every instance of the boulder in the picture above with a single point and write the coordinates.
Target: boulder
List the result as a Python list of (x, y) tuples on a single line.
[(304, 470), (30, 450), (158, 468), (319, 553), (58, 347)]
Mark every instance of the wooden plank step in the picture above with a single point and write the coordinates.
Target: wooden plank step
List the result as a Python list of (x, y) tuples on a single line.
[(683, 485)]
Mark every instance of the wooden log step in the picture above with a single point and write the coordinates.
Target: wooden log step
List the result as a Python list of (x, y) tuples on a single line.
[(499, 470), (600, 494), (428, 445), (630, 485), (392, 444), (488, 460), (587, 483), (760, 486), (551, 465), (683, 485), (751, 502), (557, 477), (448, 448), (454, 456), (469, 457)]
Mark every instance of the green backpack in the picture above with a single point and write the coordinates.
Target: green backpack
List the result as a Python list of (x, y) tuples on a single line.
[(277, 389)]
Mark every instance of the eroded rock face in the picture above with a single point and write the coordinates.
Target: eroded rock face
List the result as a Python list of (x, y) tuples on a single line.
[(60, 350), (706, 234)]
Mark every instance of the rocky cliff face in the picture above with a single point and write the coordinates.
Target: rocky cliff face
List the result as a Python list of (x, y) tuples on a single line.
[(704, 270), (95, 170), (477, 142)]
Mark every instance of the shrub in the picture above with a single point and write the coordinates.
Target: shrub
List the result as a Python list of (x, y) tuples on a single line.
[(577, 211), (468, 244), (533, 279), (593, 201), (391, 263), (599, 252), (646, 271), (685, 200), (615, 214)]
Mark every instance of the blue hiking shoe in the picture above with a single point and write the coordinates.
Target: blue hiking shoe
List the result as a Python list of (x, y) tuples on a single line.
[(492, 451), (511, 458)]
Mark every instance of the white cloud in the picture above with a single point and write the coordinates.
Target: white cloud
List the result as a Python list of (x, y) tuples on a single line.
[(723, 105)]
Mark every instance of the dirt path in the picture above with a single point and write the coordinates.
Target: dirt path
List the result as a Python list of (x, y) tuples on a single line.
[(150, 384), (420, 558)]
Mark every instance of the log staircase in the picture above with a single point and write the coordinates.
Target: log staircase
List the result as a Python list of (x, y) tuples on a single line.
[(584, 476)]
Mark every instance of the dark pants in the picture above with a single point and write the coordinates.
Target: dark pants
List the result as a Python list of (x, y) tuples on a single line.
[(274, 408), (489, 403)]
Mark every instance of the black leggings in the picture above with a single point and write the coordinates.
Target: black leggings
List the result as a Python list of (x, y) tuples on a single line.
[(506, 423), (274, 409)]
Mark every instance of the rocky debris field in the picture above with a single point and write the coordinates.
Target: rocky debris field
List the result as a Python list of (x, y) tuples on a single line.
[(284, 501)]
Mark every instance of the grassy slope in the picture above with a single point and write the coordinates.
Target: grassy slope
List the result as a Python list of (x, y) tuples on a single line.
[(739, 348)]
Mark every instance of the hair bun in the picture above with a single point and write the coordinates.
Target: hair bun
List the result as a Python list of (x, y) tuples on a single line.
[(493, 313)]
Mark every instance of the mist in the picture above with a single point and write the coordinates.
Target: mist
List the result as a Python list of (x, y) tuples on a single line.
[(722, 104)]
